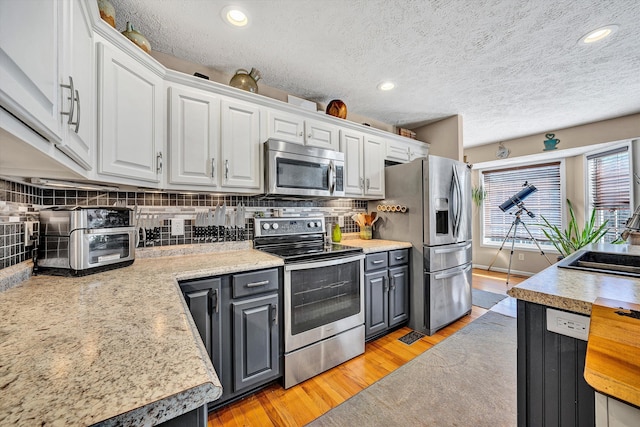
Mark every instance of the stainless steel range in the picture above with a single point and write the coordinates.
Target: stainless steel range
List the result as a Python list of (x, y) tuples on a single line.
[(323, 295)]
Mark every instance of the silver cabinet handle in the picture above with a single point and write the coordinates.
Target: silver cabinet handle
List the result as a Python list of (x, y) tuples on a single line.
[(71, 98), (393, 283), (226, 169), (398, 258), (274, 309), (385, 285), (77, 122), (368, 184), (378, 261), (213, 167), (159, 162), (256, 284), (361, 183), (309, 136), (300, 134), (216, 306)]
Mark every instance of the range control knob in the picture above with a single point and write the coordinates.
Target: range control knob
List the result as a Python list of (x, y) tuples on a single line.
[(266, 226), (318, 224), (310, 224), (275, 226)]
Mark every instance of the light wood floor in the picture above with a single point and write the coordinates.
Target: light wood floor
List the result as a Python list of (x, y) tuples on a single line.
[(275, 406)]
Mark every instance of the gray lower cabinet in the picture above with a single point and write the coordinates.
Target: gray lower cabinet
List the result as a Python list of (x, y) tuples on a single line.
[(552, 390), (239, 317), (386, 288)]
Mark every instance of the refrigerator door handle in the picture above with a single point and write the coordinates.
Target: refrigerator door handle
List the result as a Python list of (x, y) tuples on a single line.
[(455, 273), (449, 251), (457, 203)]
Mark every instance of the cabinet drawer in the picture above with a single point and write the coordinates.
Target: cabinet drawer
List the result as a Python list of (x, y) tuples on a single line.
[(255, 282), (375, 261), (398, 257)]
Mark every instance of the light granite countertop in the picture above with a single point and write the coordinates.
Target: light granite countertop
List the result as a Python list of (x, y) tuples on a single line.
[(575, 290), (373, 245), (112, 348)]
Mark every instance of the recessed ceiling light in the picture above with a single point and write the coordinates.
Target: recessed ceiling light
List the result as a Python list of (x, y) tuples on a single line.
[(235, 16), (598, 34), (386, 85)]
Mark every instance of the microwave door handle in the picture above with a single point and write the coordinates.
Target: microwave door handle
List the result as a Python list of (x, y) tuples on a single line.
[(332, 177)]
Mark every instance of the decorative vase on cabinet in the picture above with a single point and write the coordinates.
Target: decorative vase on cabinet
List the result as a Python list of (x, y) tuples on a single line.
[(246, 80), (137, 38), (107, 12)]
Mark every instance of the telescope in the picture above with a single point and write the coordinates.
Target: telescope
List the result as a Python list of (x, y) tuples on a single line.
[(518, 198)]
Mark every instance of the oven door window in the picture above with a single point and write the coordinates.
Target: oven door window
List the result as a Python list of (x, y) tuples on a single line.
[(107, 247), (323, 295), (301, 174)]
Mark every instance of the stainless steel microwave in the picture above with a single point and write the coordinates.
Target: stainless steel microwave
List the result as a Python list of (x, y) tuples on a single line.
[(297, 170)]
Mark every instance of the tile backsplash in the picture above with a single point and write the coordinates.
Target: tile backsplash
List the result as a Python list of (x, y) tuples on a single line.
[(21, 202)]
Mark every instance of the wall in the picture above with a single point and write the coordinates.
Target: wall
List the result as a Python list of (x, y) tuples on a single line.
[(190, 68), (592, 134), (620, 128), (445, 137), (21, 202)]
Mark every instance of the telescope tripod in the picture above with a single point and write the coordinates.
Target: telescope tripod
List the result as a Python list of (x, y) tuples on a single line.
[(514, 226)]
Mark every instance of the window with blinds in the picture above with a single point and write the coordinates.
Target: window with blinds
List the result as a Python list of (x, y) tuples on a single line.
[(502, 184), (610, 189)]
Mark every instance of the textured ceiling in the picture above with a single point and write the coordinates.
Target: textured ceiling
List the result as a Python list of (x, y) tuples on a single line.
[(511, 68)]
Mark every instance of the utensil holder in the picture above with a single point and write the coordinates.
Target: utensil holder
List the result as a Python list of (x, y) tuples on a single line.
[(365, 232)]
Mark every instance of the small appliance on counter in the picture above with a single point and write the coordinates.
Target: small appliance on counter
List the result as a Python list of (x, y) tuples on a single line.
[(79, 240)]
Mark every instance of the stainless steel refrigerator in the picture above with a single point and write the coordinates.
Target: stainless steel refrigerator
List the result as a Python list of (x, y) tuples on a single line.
[(436, 193)]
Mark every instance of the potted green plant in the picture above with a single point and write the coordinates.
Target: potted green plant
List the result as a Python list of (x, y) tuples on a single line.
[(478, 194), (572, 238)]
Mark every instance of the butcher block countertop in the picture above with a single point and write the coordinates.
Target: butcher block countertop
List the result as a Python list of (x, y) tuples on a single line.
[(612, 366), (374, 245), (112, 348), (575, 290)]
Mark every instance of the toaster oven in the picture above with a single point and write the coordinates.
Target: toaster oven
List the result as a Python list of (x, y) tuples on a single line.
[(85, 239)]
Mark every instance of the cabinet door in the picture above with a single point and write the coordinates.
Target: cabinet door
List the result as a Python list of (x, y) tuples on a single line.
[(322, 135), (418, 149), (79, 60), (240, 141), (376, 300), (374, 151), (351, 144), (285, 127), (398, 295), (130, 117), (397, 151), (194, 136), (203, 299), (30, 39), (256, 340)]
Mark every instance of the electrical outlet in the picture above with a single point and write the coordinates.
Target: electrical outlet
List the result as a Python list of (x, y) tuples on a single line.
[(521, 257), (341, 220), (177, 227), (30, 228), (570, 324)]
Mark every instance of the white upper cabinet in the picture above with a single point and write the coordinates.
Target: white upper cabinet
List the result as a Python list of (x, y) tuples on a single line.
[(47, 72), (79, 64), (194, 136), (364, 164), (405, 150), (285, 126), (300, 130), (240, 145), (130, 117), (374, 147)]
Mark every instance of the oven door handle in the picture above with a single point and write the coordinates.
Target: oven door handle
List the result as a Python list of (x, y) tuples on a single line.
[(115, 230), (323, 263)]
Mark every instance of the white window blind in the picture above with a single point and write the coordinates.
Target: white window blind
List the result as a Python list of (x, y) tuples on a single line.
[(501, 184), (609, 188)]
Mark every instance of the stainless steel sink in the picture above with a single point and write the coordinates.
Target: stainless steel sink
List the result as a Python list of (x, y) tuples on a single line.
[(603, 262)]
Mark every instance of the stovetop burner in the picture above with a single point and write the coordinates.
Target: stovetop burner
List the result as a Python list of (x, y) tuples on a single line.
[(297, 239)]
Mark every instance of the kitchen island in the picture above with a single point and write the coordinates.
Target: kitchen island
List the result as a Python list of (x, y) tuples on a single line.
[(551, 385), (112, 348)]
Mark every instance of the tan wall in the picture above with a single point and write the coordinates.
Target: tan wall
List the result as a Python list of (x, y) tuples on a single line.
[(593, 133), (187, 67), (622, 128), (445, 137)]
